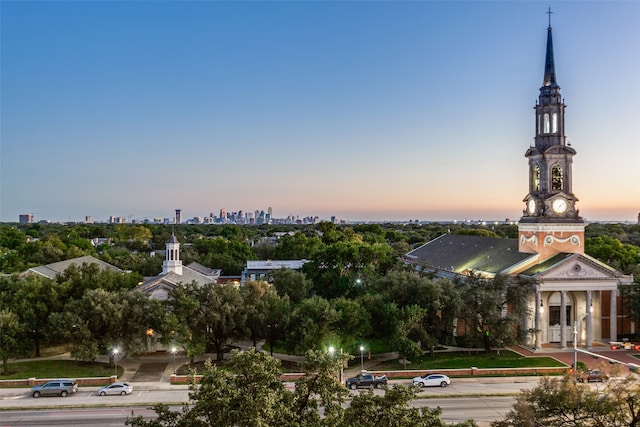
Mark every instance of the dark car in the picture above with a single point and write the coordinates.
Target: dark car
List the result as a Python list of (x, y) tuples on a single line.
[(55, 388), (593, 375), (366, 380)]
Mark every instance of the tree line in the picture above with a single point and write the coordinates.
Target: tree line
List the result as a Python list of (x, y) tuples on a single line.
[(353, 290)]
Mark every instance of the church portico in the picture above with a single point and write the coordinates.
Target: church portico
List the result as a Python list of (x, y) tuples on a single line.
[(562, 306)]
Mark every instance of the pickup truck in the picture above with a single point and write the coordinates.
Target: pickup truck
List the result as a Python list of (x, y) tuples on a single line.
[(366, 380)]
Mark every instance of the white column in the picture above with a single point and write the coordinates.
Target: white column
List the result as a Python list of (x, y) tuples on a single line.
[(589, 321), (613, 316), (537, 326), (563, 319)]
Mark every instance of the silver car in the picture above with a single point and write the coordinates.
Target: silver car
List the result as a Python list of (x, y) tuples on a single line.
[(115, 388), (55, 388)]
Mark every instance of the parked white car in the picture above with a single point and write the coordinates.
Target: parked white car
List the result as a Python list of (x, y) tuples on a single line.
[(115, 388), (432, 380)]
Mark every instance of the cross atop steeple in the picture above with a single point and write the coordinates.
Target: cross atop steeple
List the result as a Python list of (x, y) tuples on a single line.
[(549, 13)]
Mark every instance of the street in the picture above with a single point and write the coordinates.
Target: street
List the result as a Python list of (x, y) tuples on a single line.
[(481, 409), (483, 400)]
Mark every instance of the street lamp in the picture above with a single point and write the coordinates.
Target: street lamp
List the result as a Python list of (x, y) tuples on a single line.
[(332, 352), (362, 358), (575, 342), (116, 351), (173, 354), (271, 326)]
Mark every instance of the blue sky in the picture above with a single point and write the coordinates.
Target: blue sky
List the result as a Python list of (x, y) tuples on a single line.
[(359, 109)]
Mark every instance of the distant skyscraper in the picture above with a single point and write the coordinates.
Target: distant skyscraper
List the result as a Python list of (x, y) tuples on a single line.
[(25, 218), (270, 212), (178, 216), (88, 219)]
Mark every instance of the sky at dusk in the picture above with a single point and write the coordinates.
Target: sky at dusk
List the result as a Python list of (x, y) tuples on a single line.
[(363, 110)]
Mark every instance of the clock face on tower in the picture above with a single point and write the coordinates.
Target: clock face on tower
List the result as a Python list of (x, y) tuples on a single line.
[(531, 206), (559, 205)]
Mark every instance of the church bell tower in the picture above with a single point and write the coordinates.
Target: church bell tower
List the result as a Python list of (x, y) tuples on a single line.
[(550, 223), (172, 262)]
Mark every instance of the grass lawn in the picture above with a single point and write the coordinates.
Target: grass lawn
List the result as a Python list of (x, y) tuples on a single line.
[(374, 346), (58, 369), (461, 360)]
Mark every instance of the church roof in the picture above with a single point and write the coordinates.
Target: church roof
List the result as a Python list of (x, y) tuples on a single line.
[(204, 269), (52, 270), (171, 280), (545, 265), (462, 254), (563, 258)]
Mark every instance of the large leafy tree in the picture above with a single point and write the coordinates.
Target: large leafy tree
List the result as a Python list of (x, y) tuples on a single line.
[(75, 280), (102, 320), (298, 246), (353, 322), (492, 309), (440, 299), (312, 325), (229, 254), (254, 295), (207, 316), (292, 283), (562, 402), (10, 331), (33, 299), (407, 334), (623, 256), (339, 269), (186, 326)]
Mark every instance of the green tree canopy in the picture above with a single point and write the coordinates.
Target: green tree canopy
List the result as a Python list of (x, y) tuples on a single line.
[(563, 402)]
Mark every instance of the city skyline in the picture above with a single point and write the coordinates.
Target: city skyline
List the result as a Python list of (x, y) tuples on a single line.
[(359, 110)]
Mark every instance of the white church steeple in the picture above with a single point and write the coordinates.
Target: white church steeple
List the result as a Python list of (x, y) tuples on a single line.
[(172, 262)]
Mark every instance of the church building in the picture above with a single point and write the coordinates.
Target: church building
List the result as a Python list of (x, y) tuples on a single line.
[(175, 274), (572, 288)]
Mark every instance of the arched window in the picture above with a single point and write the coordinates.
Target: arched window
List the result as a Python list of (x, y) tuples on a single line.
[(554, 123), (539, 124), (546, 123), (556, 178), (536, 179)]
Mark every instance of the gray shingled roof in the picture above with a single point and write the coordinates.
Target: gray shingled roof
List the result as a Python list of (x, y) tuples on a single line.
[(172, 279), (54, 269), (461, 253), (204, 269)]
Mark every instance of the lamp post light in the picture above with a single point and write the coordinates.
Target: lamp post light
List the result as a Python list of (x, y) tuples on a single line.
[(116, 351), (361, 358), (575, 342), (332, 352), (173, 354)]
